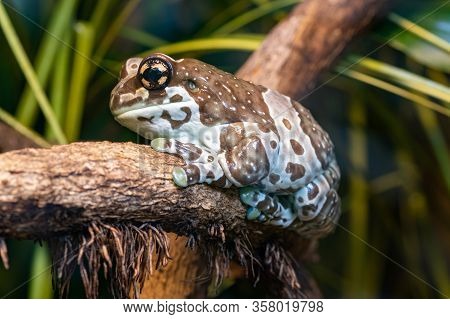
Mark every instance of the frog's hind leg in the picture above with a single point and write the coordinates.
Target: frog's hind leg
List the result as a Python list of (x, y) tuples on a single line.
[(327, 214), (309, 201), (318, 205), (266, 208), (201, 165)]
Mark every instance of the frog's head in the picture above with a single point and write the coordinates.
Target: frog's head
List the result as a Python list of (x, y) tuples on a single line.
[(162, 97)]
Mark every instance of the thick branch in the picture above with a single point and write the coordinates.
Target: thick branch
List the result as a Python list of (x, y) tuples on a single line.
[(300, 48), (45, 192)]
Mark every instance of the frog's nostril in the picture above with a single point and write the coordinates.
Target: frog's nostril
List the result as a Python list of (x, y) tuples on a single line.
[(130, 67)]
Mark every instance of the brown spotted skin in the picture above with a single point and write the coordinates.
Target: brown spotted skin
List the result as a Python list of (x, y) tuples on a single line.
[(232, 132)]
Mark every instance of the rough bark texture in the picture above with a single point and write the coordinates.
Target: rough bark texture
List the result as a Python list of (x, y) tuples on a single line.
[(46, 193)]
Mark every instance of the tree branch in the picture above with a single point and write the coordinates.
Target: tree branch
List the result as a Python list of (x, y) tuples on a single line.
[(299, 49), (46, 192)]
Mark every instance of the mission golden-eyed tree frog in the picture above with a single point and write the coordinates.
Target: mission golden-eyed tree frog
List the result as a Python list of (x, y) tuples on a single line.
[(231, 132)]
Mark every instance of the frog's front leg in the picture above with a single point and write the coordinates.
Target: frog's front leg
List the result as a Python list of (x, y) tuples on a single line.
[(201, 165), (245, 162)]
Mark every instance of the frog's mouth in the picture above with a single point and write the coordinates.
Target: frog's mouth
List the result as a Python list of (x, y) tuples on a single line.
[(176, 111)]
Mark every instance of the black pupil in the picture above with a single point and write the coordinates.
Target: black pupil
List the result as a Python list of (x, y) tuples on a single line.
[(157, 74), (153, 75)]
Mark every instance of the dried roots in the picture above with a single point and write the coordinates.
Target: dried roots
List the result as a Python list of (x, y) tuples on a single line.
[(4, 253), (126, 254)]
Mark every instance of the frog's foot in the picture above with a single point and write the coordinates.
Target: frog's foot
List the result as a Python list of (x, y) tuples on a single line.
[(195, 173), (309, 201), (189, 152), (266, 208), (318, 206), (327, 215)]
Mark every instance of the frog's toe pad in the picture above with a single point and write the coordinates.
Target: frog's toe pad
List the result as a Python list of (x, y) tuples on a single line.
[(253, 213), (284, 220), (283, 217), (250, 196), (179, 176), (160, 144), (187, 175), (256, 215)]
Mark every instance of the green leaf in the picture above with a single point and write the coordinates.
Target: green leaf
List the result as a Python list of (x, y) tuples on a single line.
[(225, 15), (423, 33), (243, 43), (359, 208), (141, 37), (427, 43), (113, 30), (403, 77), (101, 16), (79, 81), (41, 278), (393, 89), (30, 74), (434, 133), (51, 42), (252, 15), (59, 85), (436, 136)]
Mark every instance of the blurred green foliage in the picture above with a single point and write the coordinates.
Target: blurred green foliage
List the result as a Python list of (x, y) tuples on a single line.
[(386, 106)]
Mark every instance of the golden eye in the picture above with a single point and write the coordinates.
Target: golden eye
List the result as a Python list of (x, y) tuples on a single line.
[(192, 86), (155, 73)]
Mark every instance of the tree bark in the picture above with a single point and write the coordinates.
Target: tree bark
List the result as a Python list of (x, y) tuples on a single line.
[(299, 49), (49, 192)]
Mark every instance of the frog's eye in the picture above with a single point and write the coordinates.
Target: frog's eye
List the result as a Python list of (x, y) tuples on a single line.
[(154, 73), (192, 86)]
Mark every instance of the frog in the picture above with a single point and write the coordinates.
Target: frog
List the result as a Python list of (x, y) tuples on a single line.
[(233, 133)]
